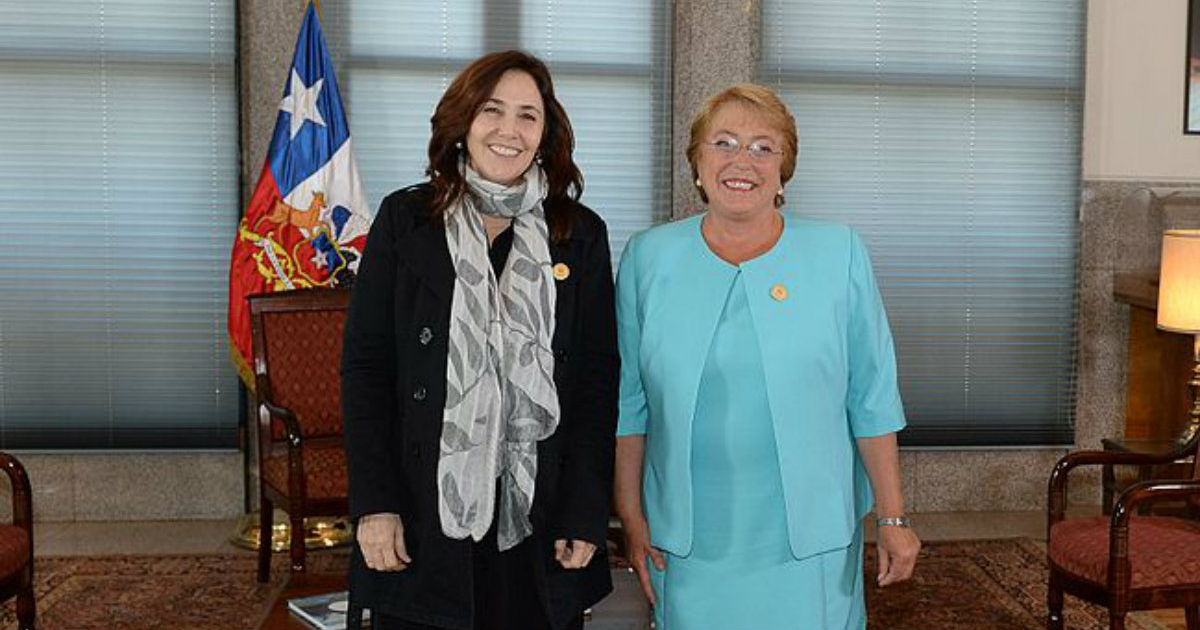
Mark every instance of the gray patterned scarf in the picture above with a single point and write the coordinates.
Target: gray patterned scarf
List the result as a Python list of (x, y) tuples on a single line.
[(500, 395)]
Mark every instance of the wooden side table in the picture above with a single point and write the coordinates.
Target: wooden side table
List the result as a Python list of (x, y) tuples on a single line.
[(1179, 469), (1158, 399)]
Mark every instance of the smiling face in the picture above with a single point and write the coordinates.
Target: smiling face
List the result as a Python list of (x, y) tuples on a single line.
[(507, 130), (739, 185)]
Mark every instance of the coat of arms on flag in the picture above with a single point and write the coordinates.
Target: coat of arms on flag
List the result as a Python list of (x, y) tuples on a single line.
[(307, 222)]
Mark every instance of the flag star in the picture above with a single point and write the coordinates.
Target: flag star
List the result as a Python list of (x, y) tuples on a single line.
[(301, 103)]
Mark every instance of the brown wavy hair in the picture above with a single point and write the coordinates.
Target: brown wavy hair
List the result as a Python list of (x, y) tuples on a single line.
[(457, 110)]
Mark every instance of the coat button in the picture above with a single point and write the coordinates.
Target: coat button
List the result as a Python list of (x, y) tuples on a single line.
[(560, 356), (419, 393), (425, 336)]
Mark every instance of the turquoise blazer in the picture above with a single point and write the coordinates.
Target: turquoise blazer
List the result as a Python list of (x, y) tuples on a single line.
[(826, 351)]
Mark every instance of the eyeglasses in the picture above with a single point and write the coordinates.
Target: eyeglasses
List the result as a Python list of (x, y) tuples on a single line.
[(759, 149)]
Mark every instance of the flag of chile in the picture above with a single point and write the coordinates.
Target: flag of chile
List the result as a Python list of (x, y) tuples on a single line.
[(307, 221)]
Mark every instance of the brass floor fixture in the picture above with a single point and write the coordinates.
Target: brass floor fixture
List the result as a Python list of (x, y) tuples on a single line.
[(320, 532)]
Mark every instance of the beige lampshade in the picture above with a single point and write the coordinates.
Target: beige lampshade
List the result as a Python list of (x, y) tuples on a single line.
[(1179, 282)]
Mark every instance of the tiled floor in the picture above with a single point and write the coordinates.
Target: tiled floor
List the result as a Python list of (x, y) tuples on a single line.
[(141, 537)]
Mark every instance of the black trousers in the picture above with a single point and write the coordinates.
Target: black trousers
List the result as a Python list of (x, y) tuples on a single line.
[(506, 596)]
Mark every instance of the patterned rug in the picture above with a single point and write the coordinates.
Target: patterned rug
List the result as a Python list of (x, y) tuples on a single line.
[(978, 584), (198, 592), (988, 584)]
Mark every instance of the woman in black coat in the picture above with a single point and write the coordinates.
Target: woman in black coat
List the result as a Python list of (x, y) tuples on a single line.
[(479, 374)]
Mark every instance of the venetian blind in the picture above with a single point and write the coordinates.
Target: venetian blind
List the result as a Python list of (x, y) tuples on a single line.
[(119, 173), (609, 60), (947, 133)]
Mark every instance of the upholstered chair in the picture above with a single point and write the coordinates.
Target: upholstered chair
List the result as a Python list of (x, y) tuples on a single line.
[(1126, 561), (16, 544), (301, 455)]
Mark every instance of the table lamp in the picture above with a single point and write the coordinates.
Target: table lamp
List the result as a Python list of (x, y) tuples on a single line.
[(1179, 304)]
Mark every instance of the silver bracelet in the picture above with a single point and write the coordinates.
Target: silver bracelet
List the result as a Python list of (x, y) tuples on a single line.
[(894, 521)]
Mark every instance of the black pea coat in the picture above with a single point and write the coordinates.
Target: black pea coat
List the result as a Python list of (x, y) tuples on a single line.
[(393, 392)]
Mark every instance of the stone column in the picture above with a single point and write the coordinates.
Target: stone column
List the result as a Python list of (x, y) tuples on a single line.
[(717, 44), (266, 42)]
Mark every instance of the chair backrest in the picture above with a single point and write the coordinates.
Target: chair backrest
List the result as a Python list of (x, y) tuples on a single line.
[(1195, 457), (297, 355), (1193, 502)]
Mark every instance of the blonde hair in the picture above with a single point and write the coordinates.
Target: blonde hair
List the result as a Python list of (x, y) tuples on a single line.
[(762, 100)]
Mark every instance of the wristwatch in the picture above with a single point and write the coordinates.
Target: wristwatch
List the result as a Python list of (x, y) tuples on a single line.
[(894, 521)]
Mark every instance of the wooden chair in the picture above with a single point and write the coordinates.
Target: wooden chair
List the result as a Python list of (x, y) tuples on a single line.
[(1127, 561), (301, 456), (16, 544)]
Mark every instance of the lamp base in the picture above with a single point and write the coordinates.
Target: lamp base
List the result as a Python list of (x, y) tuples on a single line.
[(1189, 433), (320, 532), (1193, 425)]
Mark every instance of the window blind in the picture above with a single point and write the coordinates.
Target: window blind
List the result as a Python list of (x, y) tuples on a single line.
[(120, 204), (947, 133), (609, 60)]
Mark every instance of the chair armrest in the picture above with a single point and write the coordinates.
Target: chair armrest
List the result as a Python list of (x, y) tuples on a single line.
[(294, 442), (1117, 458), (1151, 492), (1119, 570), (291, 426), (262, 395), (22, 496), (1056, 495)]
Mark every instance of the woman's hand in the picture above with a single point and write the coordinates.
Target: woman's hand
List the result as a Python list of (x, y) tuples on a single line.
[(627, 497), (898, 548), (381, 538), (637, 545), (574, 555)]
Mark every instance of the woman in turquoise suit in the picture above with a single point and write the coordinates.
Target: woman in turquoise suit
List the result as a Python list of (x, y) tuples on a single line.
[(759, 404)]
